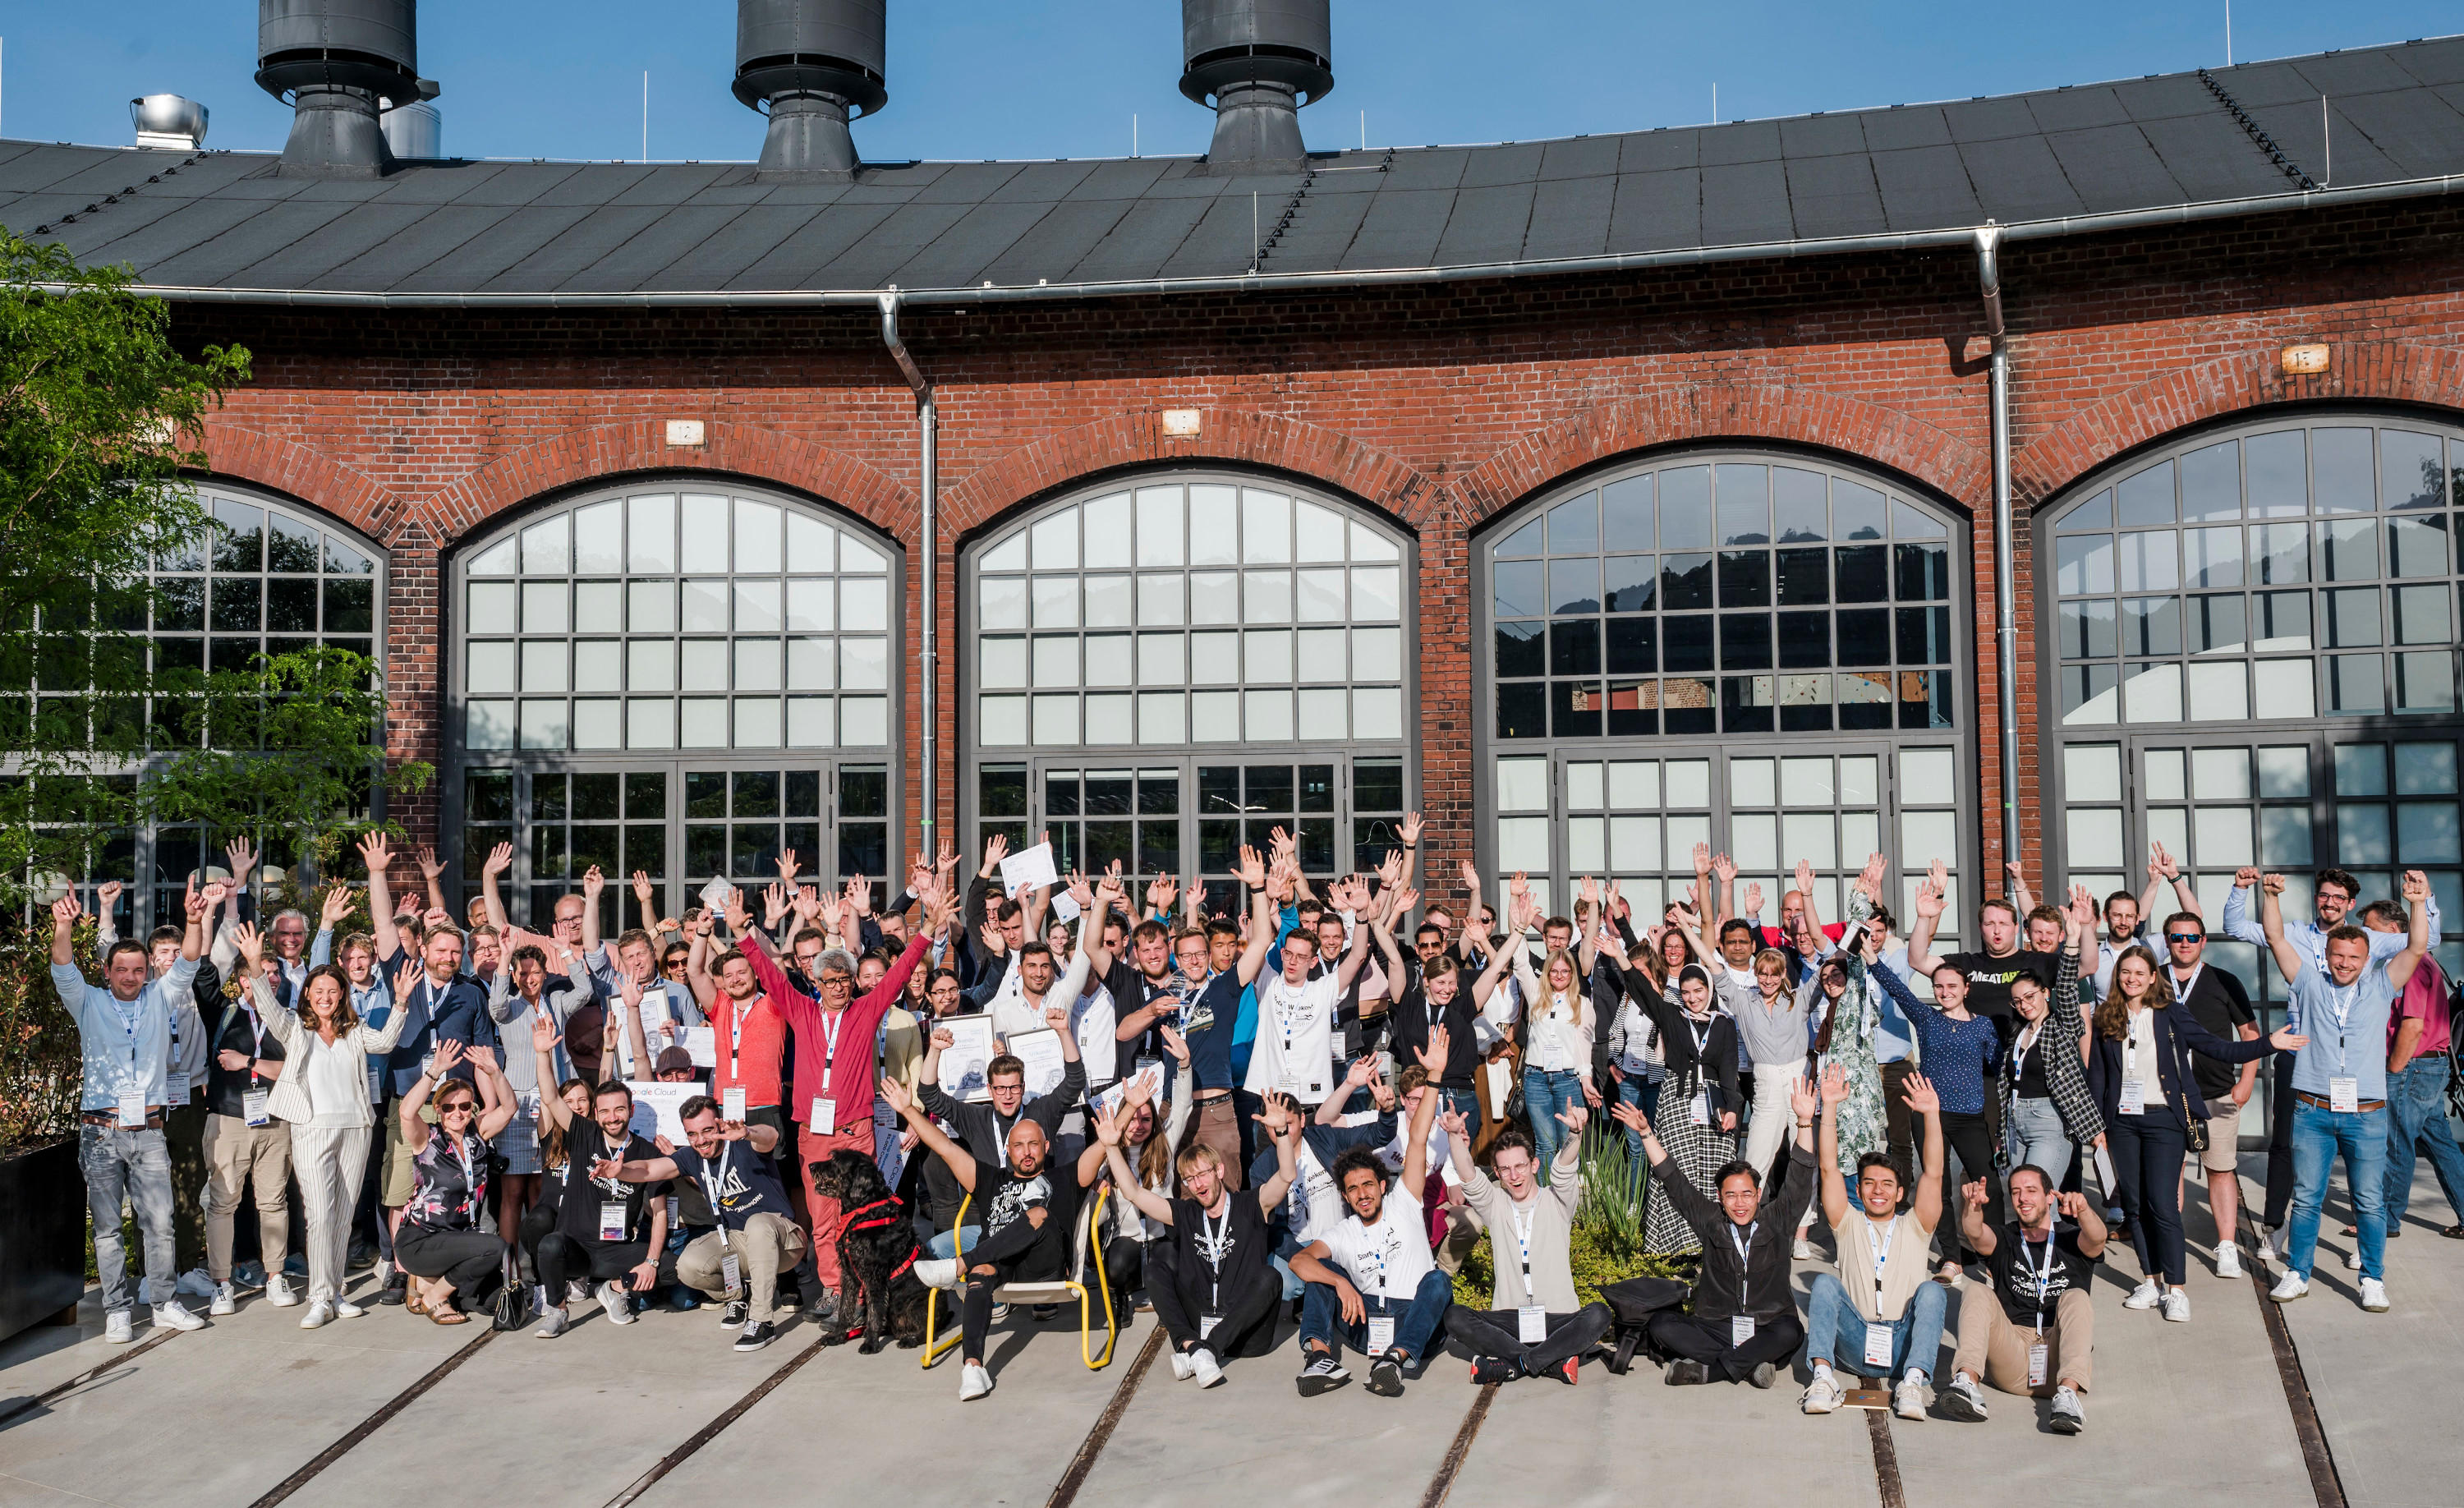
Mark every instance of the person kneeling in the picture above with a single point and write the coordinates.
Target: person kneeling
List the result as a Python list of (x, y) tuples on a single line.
[(601, 1233), (1880, 1305), (2041, 1272), (1744, 1315), (1375, 1266), (756, 1238), (1536, 1325)]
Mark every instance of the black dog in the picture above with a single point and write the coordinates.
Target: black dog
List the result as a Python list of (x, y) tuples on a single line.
[(877, 1255)]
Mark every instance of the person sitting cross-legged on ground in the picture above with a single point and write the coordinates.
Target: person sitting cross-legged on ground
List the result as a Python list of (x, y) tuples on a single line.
[(756, 1238), (1880, 1305), (1374, 1267), (2035, 1333), (1536, 1325), (1744, 1316), (1215, 1292)]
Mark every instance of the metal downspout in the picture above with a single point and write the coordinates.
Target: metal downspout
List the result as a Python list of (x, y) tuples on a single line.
[(2006, 625), (928, 484)]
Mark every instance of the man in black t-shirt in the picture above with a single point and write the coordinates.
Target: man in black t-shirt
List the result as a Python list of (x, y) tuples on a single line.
[(601, 1232), (1989, 972), (2035, 1334), (724, 1166), (2218, 1002), (1436, 999)]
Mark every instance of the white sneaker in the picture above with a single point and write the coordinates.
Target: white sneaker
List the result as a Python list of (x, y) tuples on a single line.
[(119, 1328), (344, 1309), (618, 1300), (2289, 1287), (196, 1282), (176, 1315), (2374, 1296), (2143, 1297), (937, 1271), (2264, 1239), (277, 1292), (2177, 1305), (1204, 1367), (1907, 1400), (320, 1314), (1822, 1395), (1182, 1370), (2228, 1260), (2067, 1417), (1963, 1400), (382, 1271), (225, 1300), (1802, 1249), (576, 1291), (974, 1381)]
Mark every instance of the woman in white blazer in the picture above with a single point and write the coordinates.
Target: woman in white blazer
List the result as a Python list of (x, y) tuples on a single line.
[(323, 1093)]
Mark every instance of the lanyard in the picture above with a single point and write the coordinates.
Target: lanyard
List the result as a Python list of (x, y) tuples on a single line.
[(1211, 1237), (1288, 1022), (710, 1177), (735, 1038), (469, 1175), (2043, 1275), (1743, 1241), (1524, 1220), (1882, 1245), (831, 1023), (2019, 1056)]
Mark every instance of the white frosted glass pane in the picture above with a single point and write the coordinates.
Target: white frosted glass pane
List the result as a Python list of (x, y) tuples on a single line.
[(543, 665), (2152, 694), (2225, 840), (2095, 838), (1214, 658), (1214, 716), (1268, 655), (1805, 782), (1056, 601), (863, 606), (1056, 720), (1004, 659), (1926, 837), (1377, 654), (1109, 719), (2286, 688), (1324, 712), (488, 725), (1753, 841), (1633, 843), (598, 724), (497, 559), (808, 717), (599, 607), (705, 537), (858, 558), (1010, 554), (1633, 784), (2426, 832), (705, 606), (547, 547), (1000, 601), (1860, 780), (2219, 692), (1056, 660), (1321, 596), (544, 725), (489, 667), (651, 537), (543, 606), (2168, 775), (1001, 720), (813, 665), (1318, 655), (1267, 716), (864, 663), (598, 666), (1160, 604), (1808, 836), (2284, 837), (1317, 533), (650, 606), (2169, 825), (1265, 528), (1523, 843), (1160, 661), (1378, 713), (705, 665), (811, 607), (1108, 601), (1267, 597), (1375, 593), (1160, 541), (1586, 787), (2092, 773), (757, 545), (1587, 845), (1926, 776), (864, 721), (597, 535), (1162, 718), (757, 665), (1689, 782), (1683, 833), (1107, 531), (2221, 775), (651, 665), (756, 608), (1214, 526), (1108, 660), (757, 724), (1054, 542), (1368, 544), (809, 548), (650, 723), (1861, 833), (1214, 597), (1522, 785), (1753, 782)]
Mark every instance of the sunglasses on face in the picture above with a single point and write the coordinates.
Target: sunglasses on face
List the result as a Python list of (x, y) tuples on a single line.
[(2183, 937)]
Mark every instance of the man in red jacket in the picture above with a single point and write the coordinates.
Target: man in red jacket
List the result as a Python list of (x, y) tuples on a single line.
[(838, 1059)]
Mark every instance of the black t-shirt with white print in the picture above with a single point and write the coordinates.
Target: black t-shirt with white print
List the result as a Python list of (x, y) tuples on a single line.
[(578, 1217), (1219, 1258), (1003, 1198), (2016, 1264)]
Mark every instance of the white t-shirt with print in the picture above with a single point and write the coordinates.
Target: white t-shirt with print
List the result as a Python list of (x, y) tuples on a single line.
[(1388, 1258), (1294, 1050)]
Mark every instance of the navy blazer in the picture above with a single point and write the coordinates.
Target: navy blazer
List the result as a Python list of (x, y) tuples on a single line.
[(2177, 1033)]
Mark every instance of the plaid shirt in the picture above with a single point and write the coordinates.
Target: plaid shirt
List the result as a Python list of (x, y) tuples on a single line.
[(2065, 1074)]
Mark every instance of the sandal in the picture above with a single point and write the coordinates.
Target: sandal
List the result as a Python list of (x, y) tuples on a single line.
[(446, 1314), (2454, 1233), (412, 1297)]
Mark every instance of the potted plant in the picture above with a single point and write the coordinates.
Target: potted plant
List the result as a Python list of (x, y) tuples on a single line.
[(43, 1193)]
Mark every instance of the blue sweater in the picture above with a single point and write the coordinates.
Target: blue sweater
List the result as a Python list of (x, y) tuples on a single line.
[(1959, 1055)]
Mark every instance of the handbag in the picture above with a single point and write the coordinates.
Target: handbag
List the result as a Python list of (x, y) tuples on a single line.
[(513, 1307)]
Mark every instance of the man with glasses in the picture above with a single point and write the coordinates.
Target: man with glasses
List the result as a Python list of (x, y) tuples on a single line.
[(2217, 1001)]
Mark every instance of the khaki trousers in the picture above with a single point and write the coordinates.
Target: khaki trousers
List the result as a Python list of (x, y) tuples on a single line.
[(1992, 1348), (237, 1154), (768, 1245)]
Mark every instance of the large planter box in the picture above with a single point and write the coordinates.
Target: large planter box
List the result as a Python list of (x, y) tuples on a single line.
[(42, 1235)]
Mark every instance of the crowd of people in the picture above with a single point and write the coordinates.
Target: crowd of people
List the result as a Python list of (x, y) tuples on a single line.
[(1312, 1105)]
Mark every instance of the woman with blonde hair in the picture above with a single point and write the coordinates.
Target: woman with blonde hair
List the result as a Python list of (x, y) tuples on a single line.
[(1553, 1032)]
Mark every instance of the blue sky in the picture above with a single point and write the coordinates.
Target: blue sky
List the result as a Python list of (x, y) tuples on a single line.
[(971, 78)]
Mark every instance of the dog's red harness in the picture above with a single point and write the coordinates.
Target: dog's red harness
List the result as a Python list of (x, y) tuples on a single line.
[(857, 1221)]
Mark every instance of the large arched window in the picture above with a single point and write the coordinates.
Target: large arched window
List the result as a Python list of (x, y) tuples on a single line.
[(669, 678), (2253, 635), (1764, 653), (1168, 668)]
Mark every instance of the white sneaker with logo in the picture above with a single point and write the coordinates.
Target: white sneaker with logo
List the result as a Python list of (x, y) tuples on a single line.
[(225, 1300), (1822, 1395), (173, 1313), (277, 1292), (2374, 1296), (2289, 1287), (2177, 1305), (320, 1314), (2228, 1260), (118, 1328), (1907, 1400), (2145, 1295), (974, 1381), (617, 1300)]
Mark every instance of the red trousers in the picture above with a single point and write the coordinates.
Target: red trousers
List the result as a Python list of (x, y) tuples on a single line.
[(828, 1219)]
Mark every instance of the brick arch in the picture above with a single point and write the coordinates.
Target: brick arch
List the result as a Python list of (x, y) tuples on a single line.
[(1763, 411), (2386, 371), (1137, 439), (605, 450), (249, 455)]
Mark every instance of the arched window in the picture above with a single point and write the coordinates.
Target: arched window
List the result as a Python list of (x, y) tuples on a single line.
[(676, 679), (1168, 668), (1765, 653), (2253, 632)]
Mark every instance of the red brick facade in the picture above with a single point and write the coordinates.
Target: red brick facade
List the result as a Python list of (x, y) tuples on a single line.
[(1443, 408)]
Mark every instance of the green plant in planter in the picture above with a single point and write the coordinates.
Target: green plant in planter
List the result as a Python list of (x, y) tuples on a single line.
[(41, 1070), (1606, 1246)]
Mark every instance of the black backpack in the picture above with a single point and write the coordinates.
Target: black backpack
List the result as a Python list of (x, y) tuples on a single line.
[(1632, 1304)]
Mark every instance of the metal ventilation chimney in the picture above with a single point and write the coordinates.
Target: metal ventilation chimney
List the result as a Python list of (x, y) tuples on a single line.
[(1261, 60), (337, 59), (168, 121), (814, 64)]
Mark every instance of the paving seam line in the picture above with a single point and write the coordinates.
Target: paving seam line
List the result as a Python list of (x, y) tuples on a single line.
[(1443, 1483), (2326, 1484), (28, 1405), (375, 1421), (1887, 1458), (711, 1431), (1082, 1464)]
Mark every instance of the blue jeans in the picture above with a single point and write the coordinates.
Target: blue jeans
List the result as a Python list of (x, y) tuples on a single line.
[(2035, 1134), (2319, 1135), (1545, 1093), (1833, 1326), (1464, 1102), (1414, 1321), (2417, 1123), (946, 1244), (137, 1163)]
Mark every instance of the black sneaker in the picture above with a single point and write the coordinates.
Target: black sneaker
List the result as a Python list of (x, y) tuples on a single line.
[(1386, 1377), (1324, 1374), (757, 1336), (1046, 1311), (1488, 1369), (732, 1316), (394, 1290), (1687, 1374)]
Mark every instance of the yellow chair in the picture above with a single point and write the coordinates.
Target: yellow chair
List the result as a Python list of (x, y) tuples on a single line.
[(1089, 1234)]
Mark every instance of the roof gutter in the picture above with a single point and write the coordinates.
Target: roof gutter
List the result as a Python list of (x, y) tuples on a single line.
[(1961, 238), (2005, 625), (928, 466)]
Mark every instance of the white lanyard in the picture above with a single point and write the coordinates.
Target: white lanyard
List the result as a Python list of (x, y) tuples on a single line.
[(2043, 1275), (1745, 1240), (1524, 1220), (470, 1176), (1881, 1244), (2020, 1054), (1211, 1247), (709, 1178), (735, 1037), (831, 1023)]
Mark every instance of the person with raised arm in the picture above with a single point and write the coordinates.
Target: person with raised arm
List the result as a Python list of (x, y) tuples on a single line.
[(439, 1239), (2036, 1332), (1535, 1324), (1699, 1098), (1879, 1305)]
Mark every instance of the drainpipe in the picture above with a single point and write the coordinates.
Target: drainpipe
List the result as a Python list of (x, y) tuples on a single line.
[(927, 419), (2006, 627)]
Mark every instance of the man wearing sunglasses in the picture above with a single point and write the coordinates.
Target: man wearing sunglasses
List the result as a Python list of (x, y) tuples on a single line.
[(2220, 1004)]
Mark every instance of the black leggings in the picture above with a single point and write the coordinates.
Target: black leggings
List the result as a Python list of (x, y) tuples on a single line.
[(2148, 1151), (1965, 1138), (1499, 1332), (1248, 1323), (473, 1261), (1696, 1339), (560, 1257)]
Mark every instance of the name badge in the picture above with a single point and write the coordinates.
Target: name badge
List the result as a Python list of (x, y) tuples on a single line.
[(1877, 1345), (1700, 1109), (824, 1117), (251, 1106), (1206, 1324), (2134, 1096), (1531, 1324), (2039, 1364), (1288, 1088), (730, 1272), (132, 1108), (1381, 1334), (175, 1090), (674, 1217), (376, 1083), (2345, 1094), (611, 1220), (1741, 1329), (731, 1103)]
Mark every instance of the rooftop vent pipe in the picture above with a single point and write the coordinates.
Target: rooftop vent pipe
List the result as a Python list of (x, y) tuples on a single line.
[(414, 130), (1261, 60), (337, 59), (168, 121), (811, 66)]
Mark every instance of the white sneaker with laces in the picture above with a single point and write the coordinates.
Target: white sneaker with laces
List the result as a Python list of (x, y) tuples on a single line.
[(618, 1301), (937, 1271), (2228, 1260), (344, 1309), (1802, 1249), (2067, 1417), (1907, 1400), (2374, 1296), (175, 1314), (277, 1292), (225, 1300), (1182, 1370), (974, 1381), (1822, 1395), (2143, 1297), (1202, 1365), (2177, 1305), (118, 1328), (2353, 1261), (2264, 1241), (320, 1314), (2289, 1287)]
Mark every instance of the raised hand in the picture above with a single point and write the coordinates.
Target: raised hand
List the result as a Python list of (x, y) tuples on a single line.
[(428, 863), (737, 917), (1917, 1092), (1631, 1116), (1724, 868), (405, 979), (896, 1095), (1410, 831), (1802, 1098), (786, 865), (1080, 890), (2274, 883), (1161, 892), (1805, 877), (1834, 1086), (1471, 878), (1974, 1193), (1175, 1044), (242, 855), (1433, 1056), (642, 891), (106, 895), (2245, 877), (1575, 1117), (1928, 898), (66, 911), (499, 859), (449, 1055), (1252, 872), (251, 943), (774, 904), (1752, 902), (337, 905), (1870, 880), (593, 884), (995, 850), (211, 896), (2162, 865), (378, 855), (2083, 908), (542, 1032), (2416, 887)]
